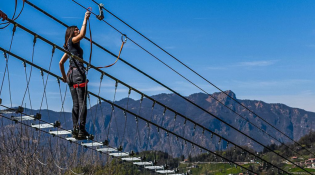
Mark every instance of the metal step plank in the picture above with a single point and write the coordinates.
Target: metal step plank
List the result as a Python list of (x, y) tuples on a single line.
[(22, 118), (119, 154), (154, 167), (142, 163), (46, 125), (107, 149), (92, 144), (165, 171), (62, 132), (72, 139), (131, 158)]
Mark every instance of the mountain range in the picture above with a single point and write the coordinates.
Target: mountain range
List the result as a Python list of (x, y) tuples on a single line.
[(293, 122)]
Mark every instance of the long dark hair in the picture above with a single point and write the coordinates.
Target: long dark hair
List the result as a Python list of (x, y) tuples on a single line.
[(69, 34)]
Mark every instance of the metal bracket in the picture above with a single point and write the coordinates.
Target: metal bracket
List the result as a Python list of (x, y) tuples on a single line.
[(38, 116), (57, 124), (13, 119), (91, 137), (20, 109), (120, 148), (143, 158), (132, 153), (176, 170), (5, 55), (166, 166), (106, 142), (101, 15)]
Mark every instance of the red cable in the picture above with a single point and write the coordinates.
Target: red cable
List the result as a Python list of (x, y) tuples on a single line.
[(3, 16)]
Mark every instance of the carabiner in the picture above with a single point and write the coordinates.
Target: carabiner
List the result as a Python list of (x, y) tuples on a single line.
[(122, 38)]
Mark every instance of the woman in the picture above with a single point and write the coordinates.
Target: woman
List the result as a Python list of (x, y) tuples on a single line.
[(76, 77)]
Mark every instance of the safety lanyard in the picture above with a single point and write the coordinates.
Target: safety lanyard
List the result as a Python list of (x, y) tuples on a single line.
[(121, 47), (123, 40)]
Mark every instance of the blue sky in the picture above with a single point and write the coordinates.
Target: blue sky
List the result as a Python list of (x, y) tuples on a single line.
[(261, 50)]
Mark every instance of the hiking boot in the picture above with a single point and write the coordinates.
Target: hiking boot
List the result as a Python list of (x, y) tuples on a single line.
[(83, 134), (75, 132)]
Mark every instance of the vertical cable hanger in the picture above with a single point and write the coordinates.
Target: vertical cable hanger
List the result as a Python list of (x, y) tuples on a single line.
[(163, 116), (149, 132), (137, 123), (45, 84), (30, 75), (112, 114), (125, 115), (98, 105), (7, 68)]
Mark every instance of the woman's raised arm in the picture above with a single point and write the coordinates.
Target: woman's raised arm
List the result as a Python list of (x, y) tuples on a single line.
[(81, 35)]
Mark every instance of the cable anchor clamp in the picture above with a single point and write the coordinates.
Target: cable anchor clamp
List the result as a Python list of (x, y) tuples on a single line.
[(132, 153), (34, 41), (106, 142), (41, 72), (5, 55), (129, 92), (57, 124), (14, 28), (53, 49), (120, 148), (38, 116), (20, 109), (102, 75)]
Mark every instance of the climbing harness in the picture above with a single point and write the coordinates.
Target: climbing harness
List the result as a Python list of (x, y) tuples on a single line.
[(121, 47), (81, 84)]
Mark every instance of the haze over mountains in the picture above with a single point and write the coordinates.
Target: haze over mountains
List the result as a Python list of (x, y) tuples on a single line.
[(292, 121)]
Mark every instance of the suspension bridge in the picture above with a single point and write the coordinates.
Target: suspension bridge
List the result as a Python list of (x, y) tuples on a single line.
[(58, 131)]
